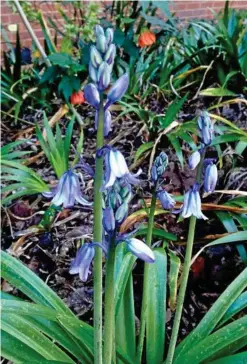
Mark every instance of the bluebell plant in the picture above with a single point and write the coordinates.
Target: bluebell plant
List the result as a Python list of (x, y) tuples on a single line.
[(207, 170), (113, 183)]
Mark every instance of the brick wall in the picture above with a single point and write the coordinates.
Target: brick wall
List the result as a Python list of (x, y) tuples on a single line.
[(183, 8)]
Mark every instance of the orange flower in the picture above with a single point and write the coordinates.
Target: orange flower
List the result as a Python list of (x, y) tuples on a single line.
[(77, 98), (146, 38)]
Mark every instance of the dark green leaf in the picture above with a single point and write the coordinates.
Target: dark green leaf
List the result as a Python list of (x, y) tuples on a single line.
[(68, 85), (156, 308), (172, 111)]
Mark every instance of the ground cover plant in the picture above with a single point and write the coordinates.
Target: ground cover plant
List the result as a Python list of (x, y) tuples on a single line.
[(123, 171)]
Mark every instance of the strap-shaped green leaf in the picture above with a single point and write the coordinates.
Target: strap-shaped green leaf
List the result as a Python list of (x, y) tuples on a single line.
[(156, 308), (16, 351), (122, 279), (26, 308), (240, 358), (30, 284), (237, 306), (213, 316), (125, 321), (20, 328), (45, 320), (217, 344)]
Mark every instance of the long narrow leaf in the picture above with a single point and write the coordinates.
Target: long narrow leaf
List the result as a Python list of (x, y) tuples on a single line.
[(30, 284), (24, 331), (214, 315), (217, 344), (156, 308)]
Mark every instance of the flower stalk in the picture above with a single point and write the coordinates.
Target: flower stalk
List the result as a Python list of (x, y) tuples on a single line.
[(185, 275), (98, 231), (109, 323), (145, 283)]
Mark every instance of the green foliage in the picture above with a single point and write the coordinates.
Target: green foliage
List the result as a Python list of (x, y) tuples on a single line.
[(56, 148), (156, 308), (23, 180), (64, 75), (45, 329)]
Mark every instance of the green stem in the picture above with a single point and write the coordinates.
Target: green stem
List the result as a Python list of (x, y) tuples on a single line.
[(185, 275), (98, 238), (109, 305), (184, 280), (145, 282)]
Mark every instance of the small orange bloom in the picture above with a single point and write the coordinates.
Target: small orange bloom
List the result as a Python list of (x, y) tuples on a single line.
[(146, 38), (77, 98)]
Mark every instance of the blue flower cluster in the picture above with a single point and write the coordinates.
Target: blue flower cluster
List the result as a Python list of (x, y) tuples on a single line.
[(192, 200), (100, 68)]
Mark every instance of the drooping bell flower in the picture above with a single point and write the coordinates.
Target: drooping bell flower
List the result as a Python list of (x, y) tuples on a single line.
[(77, 98), (206, 128), (67, 191), (210, 178), (117, 90), (192, 204), (159, 166), (166, 200), (81, 264), (146, 38), (140, 250), (194, 160), (116, 167)]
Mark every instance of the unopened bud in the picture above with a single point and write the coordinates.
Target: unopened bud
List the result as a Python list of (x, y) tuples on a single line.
[(92, 95), (166, 200), (103, 76), (210, 178), (121, 213), (140, 250), (99, 31), (117, 90), (194, 160), (159, 167), (110, 54), (206, 128), (95, 57), (93, 72), (101, 43), (108, 220), (109, 35)]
